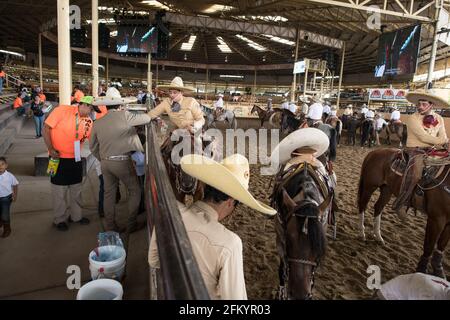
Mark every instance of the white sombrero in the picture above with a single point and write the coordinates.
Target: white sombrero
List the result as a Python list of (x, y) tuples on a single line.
[(220, 95), (306, 137), (112, 98), (428, 95), (176, 84), (231, 176)]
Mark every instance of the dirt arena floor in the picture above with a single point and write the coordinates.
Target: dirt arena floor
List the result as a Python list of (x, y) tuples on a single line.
[(343, 272)]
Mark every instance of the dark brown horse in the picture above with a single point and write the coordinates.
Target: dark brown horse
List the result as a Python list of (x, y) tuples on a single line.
[(399, 129), (303, 204), (376, 173), (263, 115), (182, 183)]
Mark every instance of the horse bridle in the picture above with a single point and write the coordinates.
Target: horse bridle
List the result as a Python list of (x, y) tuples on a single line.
[(313, 264)]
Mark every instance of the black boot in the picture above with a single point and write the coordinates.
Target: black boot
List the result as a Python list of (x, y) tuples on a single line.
[(6, 230), (436, 264)]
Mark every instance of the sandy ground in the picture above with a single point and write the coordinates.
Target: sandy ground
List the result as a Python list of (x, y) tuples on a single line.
[(343, 272)]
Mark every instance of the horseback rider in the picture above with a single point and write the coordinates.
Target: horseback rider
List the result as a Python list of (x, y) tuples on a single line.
[(426, 133), (219, 103), (285, 104), (395, 115), (314, 115), (184, 112), (326, 109), (348, 111), (269, 104), (364, 110), (380, 123)]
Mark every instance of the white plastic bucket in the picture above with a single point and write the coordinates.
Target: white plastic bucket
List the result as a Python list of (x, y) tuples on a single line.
[(101, 289), (113, 267)]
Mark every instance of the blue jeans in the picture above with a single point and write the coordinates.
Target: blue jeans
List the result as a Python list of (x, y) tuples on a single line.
[(5, 205), (1, 85), (39, 122)]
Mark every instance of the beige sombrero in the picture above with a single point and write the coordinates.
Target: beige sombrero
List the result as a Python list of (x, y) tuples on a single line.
[(176, 84), (112, 98), (306, 137), (428, 95), (231, 176)]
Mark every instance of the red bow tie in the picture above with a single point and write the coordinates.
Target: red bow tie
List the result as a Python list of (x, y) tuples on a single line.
[(430, 121)]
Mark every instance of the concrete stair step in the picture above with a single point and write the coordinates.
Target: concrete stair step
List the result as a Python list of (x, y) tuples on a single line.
[(9, 130)]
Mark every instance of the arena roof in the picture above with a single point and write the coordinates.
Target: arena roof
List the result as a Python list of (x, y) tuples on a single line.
[(323, 24)]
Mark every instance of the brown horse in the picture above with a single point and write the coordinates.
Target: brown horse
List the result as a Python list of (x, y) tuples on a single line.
[(263, 115), (376, 173), (182, 183), (303, 203), (399, 129)]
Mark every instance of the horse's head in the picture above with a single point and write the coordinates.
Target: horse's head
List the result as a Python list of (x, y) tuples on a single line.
[(302, 211), (184, 183)]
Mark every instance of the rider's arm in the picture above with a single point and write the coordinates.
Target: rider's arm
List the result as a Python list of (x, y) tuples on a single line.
[(135, 119), (159, 109), (197, 114)]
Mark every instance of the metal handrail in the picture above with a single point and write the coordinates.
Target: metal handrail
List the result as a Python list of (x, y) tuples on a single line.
[(181, 278)]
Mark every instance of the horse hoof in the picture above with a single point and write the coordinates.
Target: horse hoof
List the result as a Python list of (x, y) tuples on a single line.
[(362, 237), (379, 240), (402, 214)]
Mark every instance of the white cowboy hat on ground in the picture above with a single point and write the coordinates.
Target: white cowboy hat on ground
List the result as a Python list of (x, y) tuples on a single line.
[(428, 95), (306, 137), (176, 84), (112, 98), (231, 176)]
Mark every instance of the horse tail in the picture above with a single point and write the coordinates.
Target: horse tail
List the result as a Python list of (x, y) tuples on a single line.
[(333, 143), (361, 184), (339, 127)]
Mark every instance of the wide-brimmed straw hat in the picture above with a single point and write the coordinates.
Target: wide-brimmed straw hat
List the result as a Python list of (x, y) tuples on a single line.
[(176, 84), (428, 95), (231, 176), (112, 98), (306, 137)]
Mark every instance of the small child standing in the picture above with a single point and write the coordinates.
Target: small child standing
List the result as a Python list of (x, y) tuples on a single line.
[(8, 194)]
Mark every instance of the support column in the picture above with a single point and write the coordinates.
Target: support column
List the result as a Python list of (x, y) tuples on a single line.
[(254, 88), (306, 78), (206, 85), (438, 5), (41, 80), (64, 54), (149, 73), (294, 84), (94, 25), (157, 73), (107, 71), (340, 76)]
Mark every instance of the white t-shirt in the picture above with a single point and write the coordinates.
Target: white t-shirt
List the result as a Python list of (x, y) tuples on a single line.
[(292, 108), (285, 105), (7, 181), (326, 109), (379, 123), (218, 103), (370, 114), (364, 111), (395, 115), (315, 111)]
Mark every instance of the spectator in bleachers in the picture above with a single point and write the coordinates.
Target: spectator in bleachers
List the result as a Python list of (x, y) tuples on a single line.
[(2, 78), (18, 105), (37, 107), (8, 194)]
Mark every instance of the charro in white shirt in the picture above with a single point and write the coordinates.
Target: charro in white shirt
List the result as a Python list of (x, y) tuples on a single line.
[(395, 115), (315, 111), (218, 252)]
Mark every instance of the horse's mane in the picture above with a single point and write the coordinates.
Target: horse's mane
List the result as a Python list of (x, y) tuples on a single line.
[(302, 181)]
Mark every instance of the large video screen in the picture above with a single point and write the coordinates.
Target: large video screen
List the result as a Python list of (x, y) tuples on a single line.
[(137, 39), (398, 51)]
